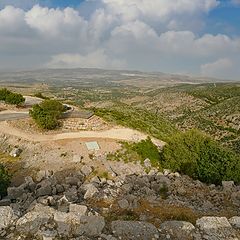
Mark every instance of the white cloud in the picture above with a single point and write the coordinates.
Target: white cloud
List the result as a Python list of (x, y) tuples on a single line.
[(220, 68), (158, 9), (96, 59), (11, 20), (159, 35), (54, 22)]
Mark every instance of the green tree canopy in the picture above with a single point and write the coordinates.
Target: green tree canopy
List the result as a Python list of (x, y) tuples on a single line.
[(47, 113), (200, 157), (10, 97)]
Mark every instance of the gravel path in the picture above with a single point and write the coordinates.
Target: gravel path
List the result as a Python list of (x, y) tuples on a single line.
[(11, 115), (117, 133)]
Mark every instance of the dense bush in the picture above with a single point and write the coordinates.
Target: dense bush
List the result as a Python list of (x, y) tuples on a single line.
[(146, 149), (3, 94), (200, 157), (4, 180), (47, 113), (15, 98), (10, 97)]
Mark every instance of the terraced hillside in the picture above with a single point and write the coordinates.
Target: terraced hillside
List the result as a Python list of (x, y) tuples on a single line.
[(212, 108)]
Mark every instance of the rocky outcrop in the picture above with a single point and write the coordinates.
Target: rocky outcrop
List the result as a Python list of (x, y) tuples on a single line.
[(6, 217), (177, 230), (134, 230), (151, 206), (214, 228)]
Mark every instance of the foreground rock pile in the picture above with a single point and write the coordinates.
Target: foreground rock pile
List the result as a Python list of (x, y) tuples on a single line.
[(154, 206)]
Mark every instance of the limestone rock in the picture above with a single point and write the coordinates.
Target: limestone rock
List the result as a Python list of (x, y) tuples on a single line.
[(66, 223), (147, 163), (71, 194), (215, 228), (32, 221), (16, 152), (228, 185), (6, 217), (63, 204), (127, 230), (235, 222), (91, 190), (178, 229), (123, 203), (72, 180), (91, 226), (86, 170), (69, 224), (43, 174), (15, 192), (79, 210), (44, 188)]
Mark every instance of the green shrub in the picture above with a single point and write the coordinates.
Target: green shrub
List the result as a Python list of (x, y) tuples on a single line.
[(4, 181), (10, 97), (134, 152), (200, 157), (3, 94), (47, 113), (15, 99), (146, 149)]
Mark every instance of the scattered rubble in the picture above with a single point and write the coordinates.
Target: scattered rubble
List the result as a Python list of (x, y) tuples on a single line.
[(127, 207)]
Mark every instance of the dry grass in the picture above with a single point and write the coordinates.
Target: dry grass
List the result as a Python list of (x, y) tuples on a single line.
[(15, 168), (154, 214), (166, 212)]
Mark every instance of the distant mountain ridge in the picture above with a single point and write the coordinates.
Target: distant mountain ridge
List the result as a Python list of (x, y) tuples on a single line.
[(93, 74)]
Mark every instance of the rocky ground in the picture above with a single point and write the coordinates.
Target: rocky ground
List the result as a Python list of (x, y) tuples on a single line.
[(77, 205), (60, 191)]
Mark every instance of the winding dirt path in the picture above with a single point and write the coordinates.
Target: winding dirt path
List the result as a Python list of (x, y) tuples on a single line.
[(117, 133)]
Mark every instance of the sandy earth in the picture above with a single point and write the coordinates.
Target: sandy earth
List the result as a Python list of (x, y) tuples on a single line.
[(61, 152), (62, 156), (117, 133)]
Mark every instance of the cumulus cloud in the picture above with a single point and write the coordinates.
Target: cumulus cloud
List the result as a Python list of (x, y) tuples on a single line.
[(159, 35), (97, 59), (11, 20), (158, 9), (220, 68), (55, 22)]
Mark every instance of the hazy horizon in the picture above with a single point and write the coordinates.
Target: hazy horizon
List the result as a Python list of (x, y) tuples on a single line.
[(195, 37)]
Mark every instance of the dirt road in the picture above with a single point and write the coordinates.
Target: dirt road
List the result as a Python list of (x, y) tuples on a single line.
[(12, 115), (117, 133)]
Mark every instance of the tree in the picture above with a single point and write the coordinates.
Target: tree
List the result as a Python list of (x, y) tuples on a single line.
[(15, 99), (3, 94), (4, 181), (53, 106), (10, 97), (200, 157), (47, 113)]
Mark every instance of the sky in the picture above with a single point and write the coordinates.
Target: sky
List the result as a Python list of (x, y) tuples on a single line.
[(194, 37)]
